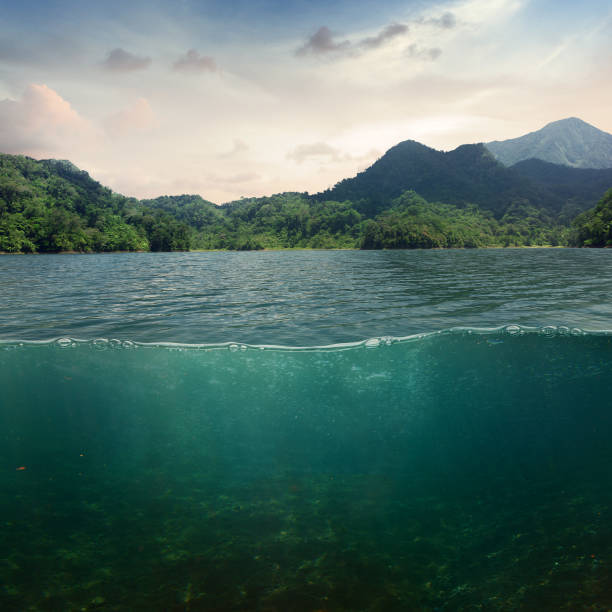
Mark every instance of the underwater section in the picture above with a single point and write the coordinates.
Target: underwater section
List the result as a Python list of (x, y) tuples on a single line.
[(459, 470)]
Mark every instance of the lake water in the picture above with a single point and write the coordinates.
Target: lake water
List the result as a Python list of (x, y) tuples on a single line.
[(157, 453), (300, 297)]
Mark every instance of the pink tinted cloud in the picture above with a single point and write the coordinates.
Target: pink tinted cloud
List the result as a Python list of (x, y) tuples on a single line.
[(139, 117), (42, 123)]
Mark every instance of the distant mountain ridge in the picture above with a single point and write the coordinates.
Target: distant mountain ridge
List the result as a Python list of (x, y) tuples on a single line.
[(568, 142), (412, 197), (470, 174)]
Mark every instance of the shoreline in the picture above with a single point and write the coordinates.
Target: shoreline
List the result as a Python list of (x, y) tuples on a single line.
[(280, 249)]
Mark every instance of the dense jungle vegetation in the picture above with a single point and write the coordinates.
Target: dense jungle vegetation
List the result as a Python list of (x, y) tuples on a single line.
[(51, 206), (593, 228)]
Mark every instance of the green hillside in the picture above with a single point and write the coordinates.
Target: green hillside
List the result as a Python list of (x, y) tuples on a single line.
[(594, 227), (413, 197), (574, 189), (51, 206), (468, 175)]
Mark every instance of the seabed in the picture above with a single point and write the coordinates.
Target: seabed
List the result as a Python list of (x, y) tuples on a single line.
[(301, 542)]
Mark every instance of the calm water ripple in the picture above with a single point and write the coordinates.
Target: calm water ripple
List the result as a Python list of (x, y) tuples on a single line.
[(299, 297)]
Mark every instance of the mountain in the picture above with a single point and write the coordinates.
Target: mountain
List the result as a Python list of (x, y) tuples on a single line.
[(469, 174), (412, 197), (578, 188), (568, 142)]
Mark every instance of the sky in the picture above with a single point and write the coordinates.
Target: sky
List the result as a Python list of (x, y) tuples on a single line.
[(230, 99)]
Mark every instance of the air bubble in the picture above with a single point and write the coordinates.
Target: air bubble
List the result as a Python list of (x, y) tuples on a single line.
[(372, 343), (100, 344), (563, 330), (128, 344), (64, 343), (233, 347), (243, 347), (114, 343), (549, 331), (576, 331), (513, 330)]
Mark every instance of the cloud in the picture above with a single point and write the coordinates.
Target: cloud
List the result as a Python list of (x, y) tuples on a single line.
[(316, 150), (391, 31), (233, 179), (42, 124), (120, 60), (192, 61), (322, 41), (139, 117), (238, 147), (446, 21), (432, 53), (321, 151)]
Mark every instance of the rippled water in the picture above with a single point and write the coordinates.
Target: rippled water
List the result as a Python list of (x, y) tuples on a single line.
[(299, 297)]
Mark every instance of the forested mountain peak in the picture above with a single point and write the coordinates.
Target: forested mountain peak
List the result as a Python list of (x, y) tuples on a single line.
[(468, 174)]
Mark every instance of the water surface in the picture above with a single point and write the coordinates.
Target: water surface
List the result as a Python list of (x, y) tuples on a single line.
[(302, 297)]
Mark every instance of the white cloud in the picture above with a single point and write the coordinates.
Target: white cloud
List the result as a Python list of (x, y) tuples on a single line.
[(324, 153), (316, 150), (232, 179), (43, 124), (138, 117)]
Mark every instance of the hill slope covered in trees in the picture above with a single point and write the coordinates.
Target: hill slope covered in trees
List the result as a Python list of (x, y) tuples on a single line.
[(413, 197), (51, 206), (593, 228), (471, 175)]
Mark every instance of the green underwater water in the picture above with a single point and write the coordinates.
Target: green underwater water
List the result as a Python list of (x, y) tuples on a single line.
[(461, 470)]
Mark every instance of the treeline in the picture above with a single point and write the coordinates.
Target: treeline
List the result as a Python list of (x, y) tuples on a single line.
[(412, 222), (52, 206), (288, 220), (593, 228), (294, 220)]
